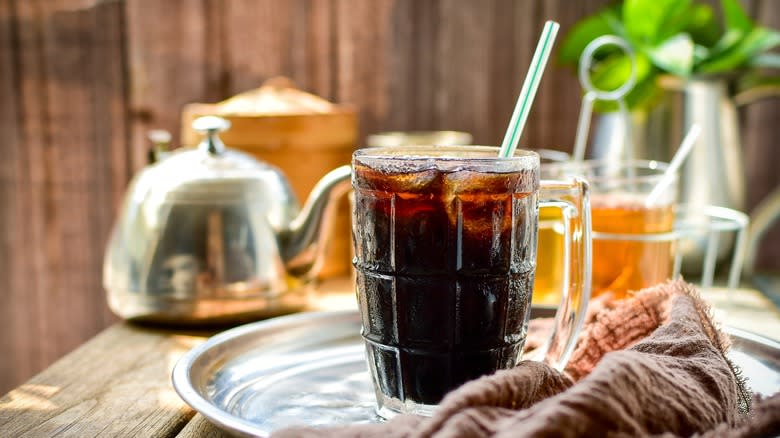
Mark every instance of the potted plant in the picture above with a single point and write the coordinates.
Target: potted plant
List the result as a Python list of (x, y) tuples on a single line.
[(678, 38), (689, 68)]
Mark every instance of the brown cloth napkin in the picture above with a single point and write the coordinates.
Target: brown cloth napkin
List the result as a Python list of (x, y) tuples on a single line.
[(652, 365)]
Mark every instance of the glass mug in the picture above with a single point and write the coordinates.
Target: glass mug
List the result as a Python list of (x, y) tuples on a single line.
[(633, 242), (445, 252)]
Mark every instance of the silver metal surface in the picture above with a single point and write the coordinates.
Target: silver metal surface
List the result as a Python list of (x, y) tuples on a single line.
[(161, 144), (210, 234), (310, 369), (211, 126)]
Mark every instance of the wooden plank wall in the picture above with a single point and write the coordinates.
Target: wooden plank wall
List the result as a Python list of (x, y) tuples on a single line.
[(81, 82), (64, 166)]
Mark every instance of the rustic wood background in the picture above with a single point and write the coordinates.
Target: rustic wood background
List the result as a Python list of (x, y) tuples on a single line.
[(81, 82)]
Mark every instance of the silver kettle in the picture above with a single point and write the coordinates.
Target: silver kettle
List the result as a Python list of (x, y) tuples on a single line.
[(210, 234)]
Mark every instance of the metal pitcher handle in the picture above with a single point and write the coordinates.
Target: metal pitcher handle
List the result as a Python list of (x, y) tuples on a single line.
[(758, 91), (762, 218), (768, 210)]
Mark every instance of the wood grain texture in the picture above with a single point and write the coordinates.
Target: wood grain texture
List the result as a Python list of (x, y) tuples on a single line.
[(168, 64), (82, 81), (83, 64), (362, 35), (66, 170), (760, 136), (18, 359), (199, 427), (261, 41), (116, 385)]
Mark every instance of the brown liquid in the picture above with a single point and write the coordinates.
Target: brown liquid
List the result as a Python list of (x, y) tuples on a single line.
[(549, 260), (444, 265), (624, 265)]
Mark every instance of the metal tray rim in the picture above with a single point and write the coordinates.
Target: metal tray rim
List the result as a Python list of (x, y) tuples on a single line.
[(180, 376)]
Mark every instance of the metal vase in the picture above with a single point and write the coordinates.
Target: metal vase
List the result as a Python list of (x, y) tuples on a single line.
[(713, 174)]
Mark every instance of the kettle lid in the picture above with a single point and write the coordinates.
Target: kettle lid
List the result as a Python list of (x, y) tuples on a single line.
[(213, 173)]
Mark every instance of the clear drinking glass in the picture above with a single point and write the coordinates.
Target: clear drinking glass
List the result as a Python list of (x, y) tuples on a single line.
[(549, 271), (633, 240), (445, 254)]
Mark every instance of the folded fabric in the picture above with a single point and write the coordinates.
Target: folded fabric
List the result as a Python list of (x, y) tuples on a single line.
[(653, 364)]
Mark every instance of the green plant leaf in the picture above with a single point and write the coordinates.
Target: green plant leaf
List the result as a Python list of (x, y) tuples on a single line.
[(675, 55), (702, 26), (766, 60), (649, 22), (735, 16), (759, 40), (614, 71), (606, 22), (643, 95), (700, 53), (727, 42)]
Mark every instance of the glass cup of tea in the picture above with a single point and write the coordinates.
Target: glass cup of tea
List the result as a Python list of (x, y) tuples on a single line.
[(633, 239), (445, 255), (549, 272)]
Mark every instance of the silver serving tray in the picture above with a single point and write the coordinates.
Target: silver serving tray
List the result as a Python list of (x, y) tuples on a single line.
[(309, 369)]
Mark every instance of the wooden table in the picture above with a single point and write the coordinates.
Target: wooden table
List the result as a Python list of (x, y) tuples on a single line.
[(118, 383)]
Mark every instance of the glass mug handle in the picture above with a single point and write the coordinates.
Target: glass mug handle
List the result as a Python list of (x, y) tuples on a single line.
[(574, 200)]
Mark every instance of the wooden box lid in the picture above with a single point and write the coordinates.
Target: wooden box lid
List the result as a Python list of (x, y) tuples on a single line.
[(277, 116)]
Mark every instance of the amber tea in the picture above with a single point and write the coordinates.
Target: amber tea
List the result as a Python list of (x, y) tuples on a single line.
[(549, 270), (621, 264)]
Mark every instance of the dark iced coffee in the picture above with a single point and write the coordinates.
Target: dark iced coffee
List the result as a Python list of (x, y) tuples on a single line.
[(445, 249)]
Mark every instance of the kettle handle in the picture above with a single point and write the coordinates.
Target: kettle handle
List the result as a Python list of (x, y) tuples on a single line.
[(758, 91)]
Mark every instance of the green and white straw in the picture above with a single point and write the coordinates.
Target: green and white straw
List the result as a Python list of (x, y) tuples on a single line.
[(528, 92)]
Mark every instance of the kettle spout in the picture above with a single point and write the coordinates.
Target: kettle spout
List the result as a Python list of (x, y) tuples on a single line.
[(303, 245)]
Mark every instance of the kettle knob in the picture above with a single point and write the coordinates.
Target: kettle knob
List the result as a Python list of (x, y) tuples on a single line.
[(211, 126)]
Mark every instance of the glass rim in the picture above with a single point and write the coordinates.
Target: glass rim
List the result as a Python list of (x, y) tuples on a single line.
[(553, 155), (483, 158), (635, 163), (582, 168), (690, 221)]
